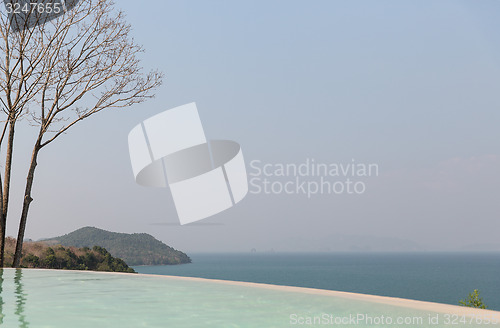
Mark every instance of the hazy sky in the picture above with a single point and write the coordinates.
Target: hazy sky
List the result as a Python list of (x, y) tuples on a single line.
[(410, 85)]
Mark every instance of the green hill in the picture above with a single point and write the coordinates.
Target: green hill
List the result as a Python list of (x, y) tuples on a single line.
[(134, 249)]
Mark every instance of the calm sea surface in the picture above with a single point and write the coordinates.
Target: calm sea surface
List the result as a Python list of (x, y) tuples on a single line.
[(443, 278)]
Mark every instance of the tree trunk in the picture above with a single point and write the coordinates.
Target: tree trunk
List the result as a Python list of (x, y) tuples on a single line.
[(6, 191), (3, 227), (26, 205)]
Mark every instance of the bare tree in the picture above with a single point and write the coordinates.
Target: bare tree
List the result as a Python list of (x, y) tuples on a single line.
[(59, 73), (19, 82)]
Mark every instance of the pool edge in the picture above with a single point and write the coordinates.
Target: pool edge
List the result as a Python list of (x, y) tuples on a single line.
[(386, 300)]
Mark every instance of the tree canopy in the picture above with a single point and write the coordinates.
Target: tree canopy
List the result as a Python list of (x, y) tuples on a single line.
[(59, 72)]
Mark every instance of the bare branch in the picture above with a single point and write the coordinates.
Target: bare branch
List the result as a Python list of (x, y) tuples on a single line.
[(64, 71)]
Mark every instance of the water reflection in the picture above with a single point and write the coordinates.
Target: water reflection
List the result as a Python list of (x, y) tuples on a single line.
[(1, 299), (20, 299)]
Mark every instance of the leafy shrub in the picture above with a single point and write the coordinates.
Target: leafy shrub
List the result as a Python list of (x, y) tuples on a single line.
[(71, 258), (31, 261), (473, 300)]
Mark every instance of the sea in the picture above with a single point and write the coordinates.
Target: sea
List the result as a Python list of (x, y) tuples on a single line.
[(435, 277)]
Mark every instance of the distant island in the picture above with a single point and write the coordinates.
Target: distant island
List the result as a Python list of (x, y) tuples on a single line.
[(134, 249), (41, 255)]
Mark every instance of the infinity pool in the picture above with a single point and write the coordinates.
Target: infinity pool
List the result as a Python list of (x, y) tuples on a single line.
[(49, 298)]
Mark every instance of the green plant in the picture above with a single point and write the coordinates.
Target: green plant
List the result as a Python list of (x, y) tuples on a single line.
[(31, 261), (473, 300)]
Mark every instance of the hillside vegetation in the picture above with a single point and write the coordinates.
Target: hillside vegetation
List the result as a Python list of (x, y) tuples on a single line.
[(134, 249), (41, 255)]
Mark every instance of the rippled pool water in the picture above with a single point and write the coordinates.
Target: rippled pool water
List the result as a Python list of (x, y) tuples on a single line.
[(49, 298)]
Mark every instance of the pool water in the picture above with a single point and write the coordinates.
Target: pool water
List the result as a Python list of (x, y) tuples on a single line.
[(433, 277), (50, 298)]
